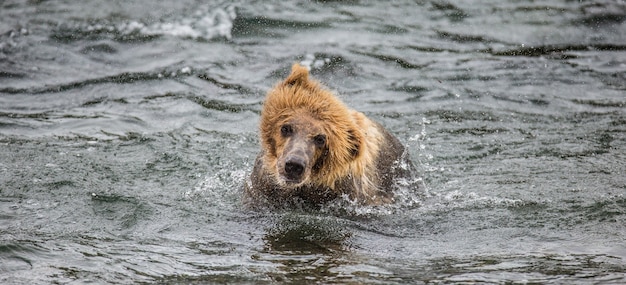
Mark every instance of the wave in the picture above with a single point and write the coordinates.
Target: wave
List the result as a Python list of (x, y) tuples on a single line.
[(121, 78), (206, 23)]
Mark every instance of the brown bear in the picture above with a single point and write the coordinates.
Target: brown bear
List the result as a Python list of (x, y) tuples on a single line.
[(315, 149)]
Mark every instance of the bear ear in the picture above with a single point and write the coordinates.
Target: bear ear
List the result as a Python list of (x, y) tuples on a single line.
[(299, 75)]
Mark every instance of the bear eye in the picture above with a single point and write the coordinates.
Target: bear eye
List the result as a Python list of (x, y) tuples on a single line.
[(319, 140), (286, 130)]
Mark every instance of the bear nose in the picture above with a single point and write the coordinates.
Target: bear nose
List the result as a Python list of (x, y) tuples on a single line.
[(294, 167)]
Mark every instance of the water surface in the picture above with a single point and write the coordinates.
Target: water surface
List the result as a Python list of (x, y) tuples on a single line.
[(127, 129)]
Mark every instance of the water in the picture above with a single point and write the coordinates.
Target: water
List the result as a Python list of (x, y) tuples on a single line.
[(126, 130)]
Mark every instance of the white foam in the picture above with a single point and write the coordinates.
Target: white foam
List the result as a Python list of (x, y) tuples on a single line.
[(185, 70), (311, 62), (206, 23)]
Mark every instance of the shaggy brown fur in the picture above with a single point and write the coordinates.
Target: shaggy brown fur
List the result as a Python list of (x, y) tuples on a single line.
[(315, 149)]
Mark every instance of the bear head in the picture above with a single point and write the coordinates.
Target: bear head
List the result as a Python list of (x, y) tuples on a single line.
[(309, 137)]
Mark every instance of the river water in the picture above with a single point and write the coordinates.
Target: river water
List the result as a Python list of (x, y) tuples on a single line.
[(128, 127)]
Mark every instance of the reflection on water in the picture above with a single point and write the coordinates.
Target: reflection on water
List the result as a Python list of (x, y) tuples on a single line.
[(307, 234), (306, 248)]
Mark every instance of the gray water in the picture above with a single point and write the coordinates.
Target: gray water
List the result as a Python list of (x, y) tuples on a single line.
[(127, 129)]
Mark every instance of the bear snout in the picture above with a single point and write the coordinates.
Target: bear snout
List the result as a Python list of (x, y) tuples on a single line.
[(294, 168)]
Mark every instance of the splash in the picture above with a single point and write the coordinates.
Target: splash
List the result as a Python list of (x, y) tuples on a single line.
[(407, 194), (221, 189)]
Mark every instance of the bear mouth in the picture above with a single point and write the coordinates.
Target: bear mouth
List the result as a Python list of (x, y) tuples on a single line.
[(291, 182)]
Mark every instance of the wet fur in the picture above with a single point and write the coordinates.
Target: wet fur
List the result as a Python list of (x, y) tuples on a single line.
[(359, 158)]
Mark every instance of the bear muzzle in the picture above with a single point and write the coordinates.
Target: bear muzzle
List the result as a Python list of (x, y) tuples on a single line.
[(294, 168)]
